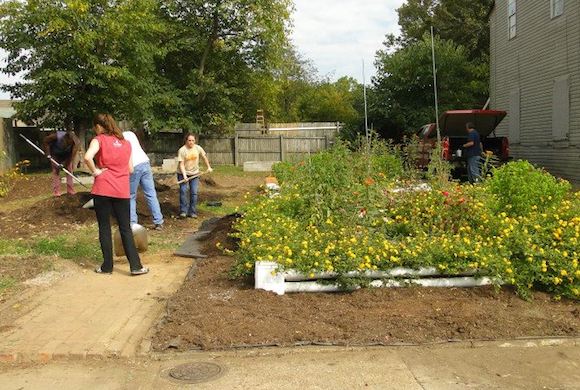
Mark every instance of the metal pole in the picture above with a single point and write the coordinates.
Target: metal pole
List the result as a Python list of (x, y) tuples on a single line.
[(54, 162), (435, 85), (365, 100)]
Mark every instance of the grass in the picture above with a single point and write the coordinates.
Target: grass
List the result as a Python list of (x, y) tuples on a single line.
[(232, 170), (14, 247), (6, 282), (224, 209), (78, 246), (77, 249)]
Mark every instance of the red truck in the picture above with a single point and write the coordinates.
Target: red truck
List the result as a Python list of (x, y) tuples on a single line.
[(453, 136)]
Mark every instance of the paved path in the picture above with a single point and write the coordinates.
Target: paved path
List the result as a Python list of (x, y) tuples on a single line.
[(87, 314), (430, 368)]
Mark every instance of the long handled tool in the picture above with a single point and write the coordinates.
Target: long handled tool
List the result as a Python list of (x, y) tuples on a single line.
[(192, 177), (54, 162)]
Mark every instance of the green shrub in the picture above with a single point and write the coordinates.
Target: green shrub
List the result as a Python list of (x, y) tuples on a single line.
[(521, 188)]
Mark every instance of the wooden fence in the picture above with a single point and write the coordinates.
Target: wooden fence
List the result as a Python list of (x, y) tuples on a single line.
[(235, 150), (281, 142)]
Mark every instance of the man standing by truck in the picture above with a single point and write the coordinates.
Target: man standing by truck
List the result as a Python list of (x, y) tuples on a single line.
[(473, 153)]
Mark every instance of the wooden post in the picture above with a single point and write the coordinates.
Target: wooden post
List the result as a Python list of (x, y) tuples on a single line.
[(326, 142), (236, 147), (281, 147)]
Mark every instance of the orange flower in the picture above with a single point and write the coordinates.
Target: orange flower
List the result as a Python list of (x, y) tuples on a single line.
[(369, 181)]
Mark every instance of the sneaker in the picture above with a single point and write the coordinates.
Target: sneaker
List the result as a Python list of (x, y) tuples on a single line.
[(192, 216), (182, 215), (158, 227), (100, 271), (141, 271)]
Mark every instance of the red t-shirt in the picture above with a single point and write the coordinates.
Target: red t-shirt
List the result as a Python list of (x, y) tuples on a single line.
[(114, 155)]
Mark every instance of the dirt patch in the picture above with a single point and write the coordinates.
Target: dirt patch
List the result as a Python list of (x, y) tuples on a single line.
[(53, 215), (49, 215), (220, 235), (210, 311), (29, 185)]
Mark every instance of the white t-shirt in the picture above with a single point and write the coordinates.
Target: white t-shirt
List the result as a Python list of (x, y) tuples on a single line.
[(190, 158), (137, 153)]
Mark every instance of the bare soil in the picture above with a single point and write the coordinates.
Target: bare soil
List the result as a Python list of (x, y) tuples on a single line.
[(210, 311), (54, 215)]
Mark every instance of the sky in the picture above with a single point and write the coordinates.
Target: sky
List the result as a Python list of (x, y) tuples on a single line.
[(336, 36)]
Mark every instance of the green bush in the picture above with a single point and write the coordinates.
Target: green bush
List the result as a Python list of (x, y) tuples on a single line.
[(520, 188)]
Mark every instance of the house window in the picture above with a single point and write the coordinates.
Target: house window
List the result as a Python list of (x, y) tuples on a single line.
[(556, 7), (512, 18)]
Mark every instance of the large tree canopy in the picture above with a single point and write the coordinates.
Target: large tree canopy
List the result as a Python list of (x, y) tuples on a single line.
[(182, 64), (404, 82), (463, 22), (217, 52), (77, 57), (403, 97)]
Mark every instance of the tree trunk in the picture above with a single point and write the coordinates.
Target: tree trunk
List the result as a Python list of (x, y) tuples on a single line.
[(209, 44)]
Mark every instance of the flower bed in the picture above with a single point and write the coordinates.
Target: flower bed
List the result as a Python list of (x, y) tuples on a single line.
[(343, 211)]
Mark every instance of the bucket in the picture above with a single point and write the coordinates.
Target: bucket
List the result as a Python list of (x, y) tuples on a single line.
[(139, 235)]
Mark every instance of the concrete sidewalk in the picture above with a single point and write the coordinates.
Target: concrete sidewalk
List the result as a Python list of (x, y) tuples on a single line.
[(86, 314), (323, 368)]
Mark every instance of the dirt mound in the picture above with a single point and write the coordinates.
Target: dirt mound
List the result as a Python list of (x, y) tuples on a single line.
[(64, 208), (220, 234), (48, 215)]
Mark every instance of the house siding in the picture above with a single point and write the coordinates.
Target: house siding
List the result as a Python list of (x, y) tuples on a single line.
[(543, 50)]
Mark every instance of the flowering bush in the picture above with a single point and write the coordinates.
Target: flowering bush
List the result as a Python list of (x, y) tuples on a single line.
[(519, 187), (341, 211), (7, 179)]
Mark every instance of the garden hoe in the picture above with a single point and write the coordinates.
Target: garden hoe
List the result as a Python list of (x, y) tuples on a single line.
[(87, 205), (192, 177)]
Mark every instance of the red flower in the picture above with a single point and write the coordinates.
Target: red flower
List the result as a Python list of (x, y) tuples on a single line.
[(445, 193)]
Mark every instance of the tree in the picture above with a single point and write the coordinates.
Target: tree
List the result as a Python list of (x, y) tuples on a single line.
[(404, 82), (463, 22), (79, 57), (216, 53)]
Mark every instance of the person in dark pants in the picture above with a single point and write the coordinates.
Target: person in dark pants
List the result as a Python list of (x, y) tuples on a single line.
[(473, 151), (111, 190)]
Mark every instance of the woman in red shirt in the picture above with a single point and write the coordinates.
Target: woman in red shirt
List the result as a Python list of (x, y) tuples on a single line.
[(111, 190)]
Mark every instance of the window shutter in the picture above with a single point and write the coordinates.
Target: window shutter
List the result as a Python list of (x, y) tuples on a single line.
[(514, 116), (561, 108)]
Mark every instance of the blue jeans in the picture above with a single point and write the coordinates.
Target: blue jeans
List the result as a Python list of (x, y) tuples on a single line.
[(142, 176), (473, 169), (192, 185)]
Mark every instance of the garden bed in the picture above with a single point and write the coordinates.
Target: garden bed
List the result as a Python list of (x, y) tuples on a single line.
[(211, 311)]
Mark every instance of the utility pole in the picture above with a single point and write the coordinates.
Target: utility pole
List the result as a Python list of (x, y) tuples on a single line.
[(365, 101)]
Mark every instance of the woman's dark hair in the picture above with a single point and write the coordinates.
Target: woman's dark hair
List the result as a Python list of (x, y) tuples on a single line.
[(109, 125), (187, 136)]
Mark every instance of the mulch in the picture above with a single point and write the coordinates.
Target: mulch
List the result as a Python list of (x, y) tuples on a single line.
[(211, 311)]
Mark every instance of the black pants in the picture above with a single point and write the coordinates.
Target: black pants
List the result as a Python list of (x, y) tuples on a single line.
[(120, 208)]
